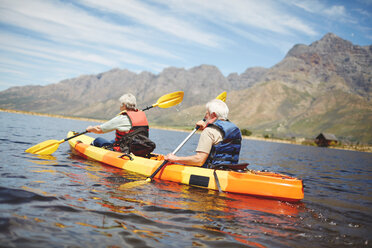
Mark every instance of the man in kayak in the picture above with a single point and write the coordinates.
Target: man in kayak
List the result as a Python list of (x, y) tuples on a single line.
[(220, 140), (124, 123)]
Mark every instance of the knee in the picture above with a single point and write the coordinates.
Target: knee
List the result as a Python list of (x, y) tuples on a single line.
[(99, 142)]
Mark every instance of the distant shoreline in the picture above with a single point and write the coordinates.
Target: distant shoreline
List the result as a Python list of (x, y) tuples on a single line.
[(49, 115), (360, 148)]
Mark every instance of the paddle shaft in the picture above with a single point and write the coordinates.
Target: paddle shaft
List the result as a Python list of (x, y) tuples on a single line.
[(187, 138), (147, 108), (174, 152), (75, 136), (184, 141)]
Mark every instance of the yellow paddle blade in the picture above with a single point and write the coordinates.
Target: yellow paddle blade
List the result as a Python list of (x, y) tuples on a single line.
[(169, 100), (222, 96), (45, 148)]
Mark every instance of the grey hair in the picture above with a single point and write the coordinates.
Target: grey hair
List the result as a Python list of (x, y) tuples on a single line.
[(219, 108), (128, 100)]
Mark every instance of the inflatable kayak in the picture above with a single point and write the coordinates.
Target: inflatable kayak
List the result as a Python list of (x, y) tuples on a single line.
[(257, 183)]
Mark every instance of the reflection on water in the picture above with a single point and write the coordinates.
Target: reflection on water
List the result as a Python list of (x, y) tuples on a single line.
[(44, 159), (65, 200)]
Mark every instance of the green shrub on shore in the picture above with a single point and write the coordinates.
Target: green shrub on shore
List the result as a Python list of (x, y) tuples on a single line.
[(246, 132), (308, 143)]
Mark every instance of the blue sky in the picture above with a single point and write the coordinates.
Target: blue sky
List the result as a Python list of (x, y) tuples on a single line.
[(46, 41)]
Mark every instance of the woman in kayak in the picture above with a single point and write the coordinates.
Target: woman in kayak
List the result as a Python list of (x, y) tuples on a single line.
[(124, 123), (220, 140)]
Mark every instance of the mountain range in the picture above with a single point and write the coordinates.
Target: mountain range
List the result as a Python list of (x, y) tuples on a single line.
[(322, 87)]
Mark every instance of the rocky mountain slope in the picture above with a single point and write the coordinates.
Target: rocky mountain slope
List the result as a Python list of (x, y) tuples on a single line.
[(323, 87)]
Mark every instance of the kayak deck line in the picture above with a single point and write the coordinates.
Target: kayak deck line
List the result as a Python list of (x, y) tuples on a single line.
[(257, 183)]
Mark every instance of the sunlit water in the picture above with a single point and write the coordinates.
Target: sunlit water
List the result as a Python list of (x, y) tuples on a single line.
[(66, 201)]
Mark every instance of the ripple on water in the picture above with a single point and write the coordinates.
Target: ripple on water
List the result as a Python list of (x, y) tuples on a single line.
[(66, 200), (18, 196)]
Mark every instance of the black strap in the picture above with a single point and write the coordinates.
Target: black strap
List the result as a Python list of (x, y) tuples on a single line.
[(232, 141), (136, 130), (125, 137), (233, 167), (217, 181), (126, 155), (131, 134), (228, 153)]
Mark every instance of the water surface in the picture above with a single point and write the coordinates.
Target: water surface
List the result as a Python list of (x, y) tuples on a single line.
[(63, 200)]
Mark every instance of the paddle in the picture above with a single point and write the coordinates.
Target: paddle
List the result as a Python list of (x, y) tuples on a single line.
[(222, 97), (167, 100), (49, 146)]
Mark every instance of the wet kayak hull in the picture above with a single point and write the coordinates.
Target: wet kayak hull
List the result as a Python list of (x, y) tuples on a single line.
[(257, 183)]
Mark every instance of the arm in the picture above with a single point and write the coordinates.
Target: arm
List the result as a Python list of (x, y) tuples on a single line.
[(206, 141), (198, 159), (94, 129), (120, 122)]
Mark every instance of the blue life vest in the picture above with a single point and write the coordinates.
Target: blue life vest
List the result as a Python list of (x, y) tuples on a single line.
[(227, 151)]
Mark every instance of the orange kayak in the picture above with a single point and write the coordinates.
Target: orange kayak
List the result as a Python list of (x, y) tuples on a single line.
[(256, 183)]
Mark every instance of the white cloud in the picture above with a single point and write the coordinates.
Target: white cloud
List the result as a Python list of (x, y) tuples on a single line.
[(363, 12), (11, 62), (43, 50), (156, 18), (67, 24), (320, 8), (335, 11), (262, 14), (12, 71)]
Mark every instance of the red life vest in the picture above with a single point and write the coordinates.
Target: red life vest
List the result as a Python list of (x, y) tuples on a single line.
[(138, 120)]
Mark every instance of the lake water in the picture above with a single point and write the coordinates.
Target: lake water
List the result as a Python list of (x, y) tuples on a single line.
[(66, 201)]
